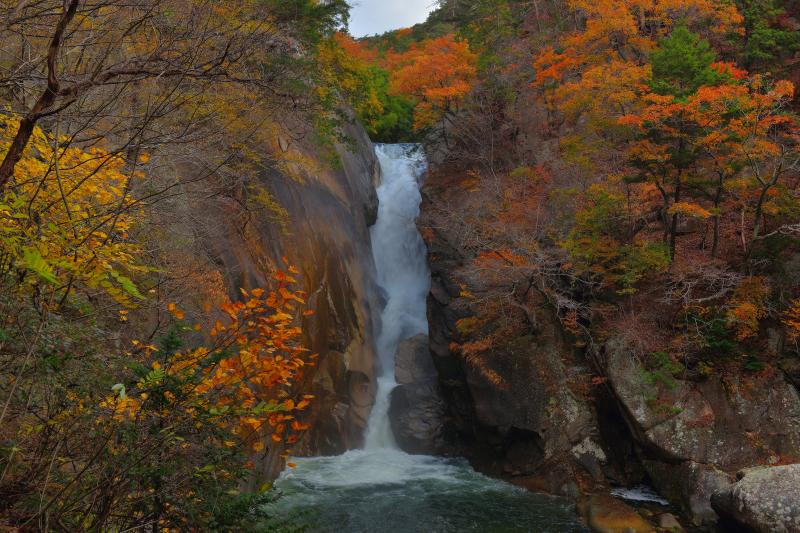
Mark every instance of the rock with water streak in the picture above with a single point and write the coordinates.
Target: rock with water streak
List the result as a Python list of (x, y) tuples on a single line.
[(764, 500)]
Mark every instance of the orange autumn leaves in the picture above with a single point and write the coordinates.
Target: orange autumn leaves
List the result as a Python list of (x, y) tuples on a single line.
[(732, 125), (437, 74), (242, 383), (702, 151), (747, 307), (709, 138), (269, 359), (618, 32), (791, 320), (601, 69)]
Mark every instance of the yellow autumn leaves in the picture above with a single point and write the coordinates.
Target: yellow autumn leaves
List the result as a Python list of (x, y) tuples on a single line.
[(65, 222)]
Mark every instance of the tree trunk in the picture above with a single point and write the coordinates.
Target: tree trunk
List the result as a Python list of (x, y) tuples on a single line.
[(44, 102), (717, 202), (673, 229)]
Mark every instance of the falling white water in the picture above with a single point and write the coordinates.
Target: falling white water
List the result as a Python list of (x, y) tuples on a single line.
[(403, 274), (381, 488)]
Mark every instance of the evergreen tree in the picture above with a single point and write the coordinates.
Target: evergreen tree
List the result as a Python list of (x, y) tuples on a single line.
[(682, 64), (765, 41)]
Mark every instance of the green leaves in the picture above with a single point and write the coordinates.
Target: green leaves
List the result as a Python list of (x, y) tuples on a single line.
[(153, 378), (33, 261), (766, 40), (127, 285), (682, 64)]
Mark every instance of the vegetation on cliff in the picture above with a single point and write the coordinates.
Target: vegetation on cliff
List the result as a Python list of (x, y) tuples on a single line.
[(612, 217), (121, 409), (647, 151)]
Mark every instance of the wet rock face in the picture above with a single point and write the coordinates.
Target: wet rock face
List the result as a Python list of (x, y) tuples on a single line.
[(327, 238), (528, 409), (668, 522), (417, 412), (690, 486), (413, 362), (764, 500), (514, 407)]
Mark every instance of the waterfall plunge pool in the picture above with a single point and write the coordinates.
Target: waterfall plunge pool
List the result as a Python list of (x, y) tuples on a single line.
[(380, 488), (388, 491)]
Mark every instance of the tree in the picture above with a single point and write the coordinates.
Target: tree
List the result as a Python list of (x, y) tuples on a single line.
[(791, 319), (65, 225), (718, 134), (438, 75), (682, 63), (166, 435), (113, 416), (666, 149), (355, 72), (157, 56), (598, 68), (767, 38), (603, 243)]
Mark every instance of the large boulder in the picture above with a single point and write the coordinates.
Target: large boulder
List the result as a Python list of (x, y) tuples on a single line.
[(764, 500), (733, 422), (417, 412), (692, 433), (417, 416)]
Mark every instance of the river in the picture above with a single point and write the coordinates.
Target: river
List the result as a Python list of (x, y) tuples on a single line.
[(380, 488)]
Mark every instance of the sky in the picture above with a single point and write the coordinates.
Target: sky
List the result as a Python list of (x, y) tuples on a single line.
[(369, 17)]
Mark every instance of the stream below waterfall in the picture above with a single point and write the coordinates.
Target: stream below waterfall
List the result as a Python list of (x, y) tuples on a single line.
[(380, 488)]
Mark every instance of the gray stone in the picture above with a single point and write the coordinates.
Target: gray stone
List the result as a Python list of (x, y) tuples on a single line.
[(709, 422), (417, 411), (417, 416), (413, 362), (764, 500), (695, 431)]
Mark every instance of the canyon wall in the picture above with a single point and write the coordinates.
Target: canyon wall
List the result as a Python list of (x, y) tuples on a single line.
[(527, 402), (320, 206)]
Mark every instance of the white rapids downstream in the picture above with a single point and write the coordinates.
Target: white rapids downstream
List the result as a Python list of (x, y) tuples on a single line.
[(380, 488)]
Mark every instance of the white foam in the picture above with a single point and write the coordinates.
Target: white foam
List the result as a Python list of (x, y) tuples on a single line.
[(639, 493)]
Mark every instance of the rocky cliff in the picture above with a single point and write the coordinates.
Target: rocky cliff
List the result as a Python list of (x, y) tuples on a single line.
[(514, 409), (526, 402), (321, 205)]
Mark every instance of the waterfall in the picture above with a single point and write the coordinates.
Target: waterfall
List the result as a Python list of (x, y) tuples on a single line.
[(382, 488), (402, 270)]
